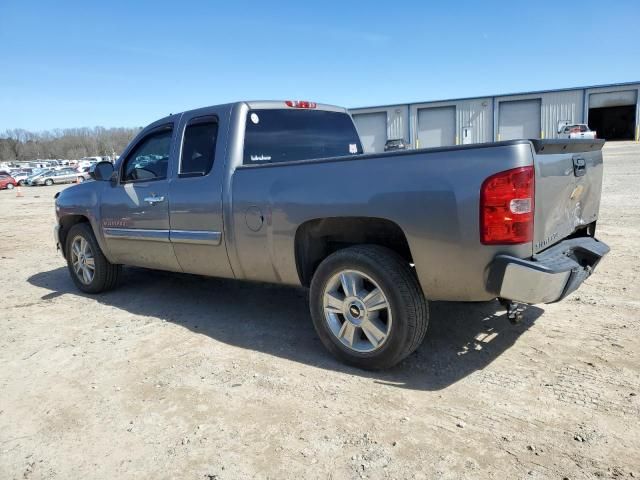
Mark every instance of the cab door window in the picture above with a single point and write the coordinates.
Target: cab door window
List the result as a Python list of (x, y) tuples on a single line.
[(198, 147), (149, 160)]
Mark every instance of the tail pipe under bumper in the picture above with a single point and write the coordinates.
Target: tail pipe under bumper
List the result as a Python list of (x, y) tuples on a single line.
[(548, 276)]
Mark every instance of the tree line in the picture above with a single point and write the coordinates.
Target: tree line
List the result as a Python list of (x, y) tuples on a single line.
[(69, 143)]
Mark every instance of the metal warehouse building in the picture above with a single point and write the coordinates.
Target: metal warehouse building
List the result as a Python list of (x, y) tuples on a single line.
[(612, 110)]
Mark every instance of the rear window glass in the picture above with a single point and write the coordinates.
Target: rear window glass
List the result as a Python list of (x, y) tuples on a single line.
[(286, 135)]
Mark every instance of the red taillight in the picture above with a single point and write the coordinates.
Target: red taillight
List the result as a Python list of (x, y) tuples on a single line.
[(506, 207), (300, 104)]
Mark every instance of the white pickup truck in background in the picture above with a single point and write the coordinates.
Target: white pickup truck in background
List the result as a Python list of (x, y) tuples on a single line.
[(576, 130)]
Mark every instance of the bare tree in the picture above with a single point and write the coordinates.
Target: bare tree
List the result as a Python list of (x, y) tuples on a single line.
[(70, 143)]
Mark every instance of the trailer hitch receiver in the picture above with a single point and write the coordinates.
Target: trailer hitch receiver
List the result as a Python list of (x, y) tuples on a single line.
[(514, 310)]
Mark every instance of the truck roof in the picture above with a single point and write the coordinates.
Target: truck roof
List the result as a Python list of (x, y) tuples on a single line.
[(272, 104), (259, 105)]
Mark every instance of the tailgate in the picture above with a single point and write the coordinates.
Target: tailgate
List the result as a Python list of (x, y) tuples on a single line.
[(568, 188)]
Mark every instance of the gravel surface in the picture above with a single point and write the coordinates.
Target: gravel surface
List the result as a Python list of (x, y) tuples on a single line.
[(178, 376)]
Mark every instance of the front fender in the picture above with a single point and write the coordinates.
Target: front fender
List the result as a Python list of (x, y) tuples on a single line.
[(82, 200)]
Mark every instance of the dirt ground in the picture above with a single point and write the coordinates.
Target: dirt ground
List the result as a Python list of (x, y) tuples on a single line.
[(177, 376)]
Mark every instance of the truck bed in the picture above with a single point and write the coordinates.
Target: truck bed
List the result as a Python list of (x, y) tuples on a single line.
[(431, 194)]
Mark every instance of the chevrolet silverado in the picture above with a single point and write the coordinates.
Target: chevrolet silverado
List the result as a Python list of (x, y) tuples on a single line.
[(281, 191)]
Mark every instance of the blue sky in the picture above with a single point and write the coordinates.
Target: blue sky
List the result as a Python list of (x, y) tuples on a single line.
[(117, 63)]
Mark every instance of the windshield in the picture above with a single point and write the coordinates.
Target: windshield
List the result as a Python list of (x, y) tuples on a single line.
[(285, 135)]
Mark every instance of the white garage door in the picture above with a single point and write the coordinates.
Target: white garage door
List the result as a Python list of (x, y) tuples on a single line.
[(436, 127), (519, 119), (372, 128)]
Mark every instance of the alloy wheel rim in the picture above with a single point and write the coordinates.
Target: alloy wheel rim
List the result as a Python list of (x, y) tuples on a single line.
[(83, 260), (357, 311)]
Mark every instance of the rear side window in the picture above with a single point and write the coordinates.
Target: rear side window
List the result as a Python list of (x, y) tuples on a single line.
[(199, 147), (285, 135)]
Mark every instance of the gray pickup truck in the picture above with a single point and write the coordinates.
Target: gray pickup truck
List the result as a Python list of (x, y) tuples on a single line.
[(282, 192)]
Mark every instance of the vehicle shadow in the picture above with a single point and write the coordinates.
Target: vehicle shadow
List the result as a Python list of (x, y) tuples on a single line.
[(462, 337)]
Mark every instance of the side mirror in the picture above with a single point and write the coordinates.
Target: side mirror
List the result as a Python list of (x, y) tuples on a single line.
[(101, 171)]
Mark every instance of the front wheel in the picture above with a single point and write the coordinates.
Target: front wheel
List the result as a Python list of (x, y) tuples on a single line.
[(10, 186), (89, 268), (367, 306), (48, 182), (80, 180)]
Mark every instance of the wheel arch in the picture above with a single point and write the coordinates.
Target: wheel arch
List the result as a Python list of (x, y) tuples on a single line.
[(65, 224), (318, 238)]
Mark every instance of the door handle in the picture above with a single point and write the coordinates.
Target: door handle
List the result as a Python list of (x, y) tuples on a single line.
[(153, 200)]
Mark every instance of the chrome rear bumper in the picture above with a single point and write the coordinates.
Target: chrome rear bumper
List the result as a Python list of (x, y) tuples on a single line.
[(548, 276)]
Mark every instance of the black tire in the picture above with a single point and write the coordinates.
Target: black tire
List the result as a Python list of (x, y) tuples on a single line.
[(21, 183), (399, 284), (106, 274), (48, 182), (79, 179)]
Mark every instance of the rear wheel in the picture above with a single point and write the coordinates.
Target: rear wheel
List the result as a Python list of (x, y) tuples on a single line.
[(89, 269), (80, 179), (48, 182), (10, 186), (368, 307)]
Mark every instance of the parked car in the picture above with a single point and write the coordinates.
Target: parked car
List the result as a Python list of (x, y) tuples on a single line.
[(21, 176), (84, 173), (397, 144), (577, 130), (64, 175), (88, 161), (281, 192), (8, 182), (38, 172)]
